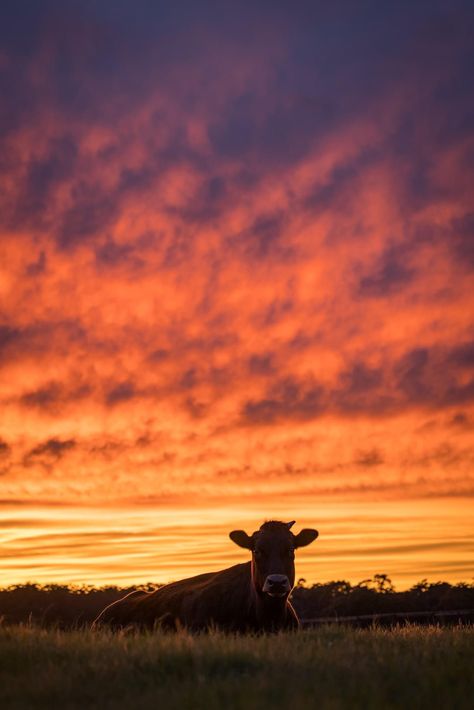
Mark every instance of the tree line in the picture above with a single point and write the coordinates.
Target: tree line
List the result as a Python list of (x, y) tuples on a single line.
[(68, 606)]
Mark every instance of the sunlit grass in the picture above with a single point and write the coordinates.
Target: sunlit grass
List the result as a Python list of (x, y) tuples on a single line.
[(410, 667)]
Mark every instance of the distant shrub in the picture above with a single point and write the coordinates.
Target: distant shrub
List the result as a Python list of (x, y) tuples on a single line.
[(61, 605), (378, 596)]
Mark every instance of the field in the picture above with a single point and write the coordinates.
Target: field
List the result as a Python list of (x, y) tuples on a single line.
[(409, 667)]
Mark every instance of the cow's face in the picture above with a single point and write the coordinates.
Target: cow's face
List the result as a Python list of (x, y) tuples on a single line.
[(273, 555)]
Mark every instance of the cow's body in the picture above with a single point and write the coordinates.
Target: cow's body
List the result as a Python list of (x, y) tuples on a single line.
[(252, 596), (224, 600)]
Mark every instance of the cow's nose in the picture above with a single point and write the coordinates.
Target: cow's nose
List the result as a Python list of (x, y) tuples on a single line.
[(277, 584)]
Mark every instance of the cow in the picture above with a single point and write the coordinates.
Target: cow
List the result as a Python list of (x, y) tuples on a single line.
[(247, 597)]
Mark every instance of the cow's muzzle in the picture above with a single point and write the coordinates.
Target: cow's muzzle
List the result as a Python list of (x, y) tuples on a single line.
[(277, 585)]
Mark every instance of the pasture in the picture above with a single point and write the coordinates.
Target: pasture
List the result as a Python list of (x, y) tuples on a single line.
[(406, 667)]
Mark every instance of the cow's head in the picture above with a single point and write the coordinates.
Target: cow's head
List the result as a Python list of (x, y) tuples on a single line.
[(273, 555)]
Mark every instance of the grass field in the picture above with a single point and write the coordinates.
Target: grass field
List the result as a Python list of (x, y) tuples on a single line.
[(411, 667)]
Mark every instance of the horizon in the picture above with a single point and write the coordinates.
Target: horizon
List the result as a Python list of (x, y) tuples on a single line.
[(236, 283)]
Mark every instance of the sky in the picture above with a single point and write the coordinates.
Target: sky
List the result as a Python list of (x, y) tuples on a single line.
[(236, 284)]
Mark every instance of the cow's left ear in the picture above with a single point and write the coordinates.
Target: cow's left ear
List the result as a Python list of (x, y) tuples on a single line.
[(305, 537), (241, 539)]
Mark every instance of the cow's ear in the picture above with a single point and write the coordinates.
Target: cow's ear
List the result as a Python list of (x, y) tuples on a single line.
[(241, 539), (305, 537)]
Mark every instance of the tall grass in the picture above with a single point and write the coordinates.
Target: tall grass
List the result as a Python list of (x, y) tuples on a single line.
[(409, 667)]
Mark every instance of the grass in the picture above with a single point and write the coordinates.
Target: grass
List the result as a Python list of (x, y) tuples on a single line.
[(409, 667)]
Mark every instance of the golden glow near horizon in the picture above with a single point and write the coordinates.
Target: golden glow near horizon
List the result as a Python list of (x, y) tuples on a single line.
[(235, 294), (134, 545)]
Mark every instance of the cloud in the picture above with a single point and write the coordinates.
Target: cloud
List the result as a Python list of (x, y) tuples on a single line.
[(264, 239), (90, 214), (8, 336), (410, 371), (112, 254), (391, 274), (461, 419), (39, 338), (463, 239), (121, 392), (413, 380), (53, 395), (261, 364), (371, 457), (42, 397), (52, 449), (4, 448), (37, 267), (287, 399), (462, 355), (260, 263)]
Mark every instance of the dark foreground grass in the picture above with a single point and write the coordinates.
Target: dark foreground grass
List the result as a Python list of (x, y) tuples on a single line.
[(410, 667)]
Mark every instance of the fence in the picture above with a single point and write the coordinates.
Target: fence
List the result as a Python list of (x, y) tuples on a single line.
[(463, 616)]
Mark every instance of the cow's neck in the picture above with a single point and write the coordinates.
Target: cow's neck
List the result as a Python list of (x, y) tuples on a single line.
[(270, 612)]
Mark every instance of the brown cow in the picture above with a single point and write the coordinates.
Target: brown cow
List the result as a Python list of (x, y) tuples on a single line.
[(252, 596)]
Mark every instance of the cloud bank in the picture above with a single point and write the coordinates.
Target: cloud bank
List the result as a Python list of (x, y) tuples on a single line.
[(236, 251)]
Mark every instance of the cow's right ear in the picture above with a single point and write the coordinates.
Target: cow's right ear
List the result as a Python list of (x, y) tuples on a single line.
[(241, 539)]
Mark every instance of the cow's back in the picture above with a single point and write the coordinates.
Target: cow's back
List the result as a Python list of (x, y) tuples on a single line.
[(223, 600), (220, 598)]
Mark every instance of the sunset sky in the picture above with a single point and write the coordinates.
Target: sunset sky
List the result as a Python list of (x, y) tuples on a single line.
[(236, 283)]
